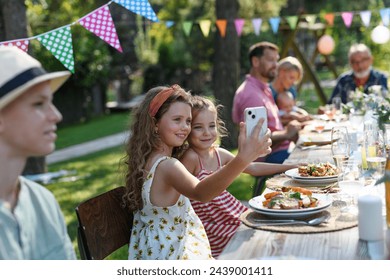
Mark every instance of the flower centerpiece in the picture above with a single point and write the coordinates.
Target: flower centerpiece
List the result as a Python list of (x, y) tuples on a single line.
[(376, 103), (355, 103), (383, 112)]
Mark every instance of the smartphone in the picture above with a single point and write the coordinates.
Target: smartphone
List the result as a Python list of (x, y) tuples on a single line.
[(252, 117)]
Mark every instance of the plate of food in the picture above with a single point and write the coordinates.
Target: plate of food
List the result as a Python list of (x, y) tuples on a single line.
[(290, 202), (314, 173)]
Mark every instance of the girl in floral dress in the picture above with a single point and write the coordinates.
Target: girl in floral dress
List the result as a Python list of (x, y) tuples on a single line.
[(220, 216), (158, 185)]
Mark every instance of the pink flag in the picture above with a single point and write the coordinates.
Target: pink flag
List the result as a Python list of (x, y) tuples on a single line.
[(21, 44), (239, 23), (101, 24), (347, 18)]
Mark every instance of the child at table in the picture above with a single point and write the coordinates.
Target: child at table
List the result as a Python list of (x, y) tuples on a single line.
[(158, 185), (288, 110), (220, 216)]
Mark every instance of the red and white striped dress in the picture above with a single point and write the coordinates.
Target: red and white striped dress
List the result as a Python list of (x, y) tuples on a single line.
[(221, 216)]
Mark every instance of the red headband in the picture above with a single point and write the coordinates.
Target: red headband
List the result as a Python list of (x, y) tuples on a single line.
[(160, 98)]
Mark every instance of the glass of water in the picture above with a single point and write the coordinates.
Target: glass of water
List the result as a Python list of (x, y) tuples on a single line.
[(375, 150)]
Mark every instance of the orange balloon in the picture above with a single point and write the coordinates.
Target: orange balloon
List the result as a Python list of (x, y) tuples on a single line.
[(325, 45)]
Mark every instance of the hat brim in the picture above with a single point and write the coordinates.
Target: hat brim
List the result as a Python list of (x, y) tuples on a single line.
[(57, 79)]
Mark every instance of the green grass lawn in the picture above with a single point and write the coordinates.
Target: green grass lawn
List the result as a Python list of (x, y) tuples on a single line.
[(93, 129)]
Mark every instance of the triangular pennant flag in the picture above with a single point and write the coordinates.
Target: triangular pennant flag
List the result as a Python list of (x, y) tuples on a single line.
[(366, 17), (100, 23), (256, 22), (221, 24), (187, 25), (21, 44), (311, 19), (205, 27), (59, 43), (329, 18), (385, 13), (169, 23), (239, 24), (292, 21), (274, 21), (141, 7), (347, 18)]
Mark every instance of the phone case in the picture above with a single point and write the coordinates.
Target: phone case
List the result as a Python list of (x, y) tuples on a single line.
[(252, 116)]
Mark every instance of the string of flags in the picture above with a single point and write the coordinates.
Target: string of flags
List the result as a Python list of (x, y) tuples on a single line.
[(100, 23)]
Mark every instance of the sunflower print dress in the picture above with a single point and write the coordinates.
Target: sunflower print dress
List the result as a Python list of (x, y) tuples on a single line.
[(167, 233)]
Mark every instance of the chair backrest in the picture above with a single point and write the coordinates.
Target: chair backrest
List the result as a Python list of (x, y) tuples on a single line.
[(104, 225)]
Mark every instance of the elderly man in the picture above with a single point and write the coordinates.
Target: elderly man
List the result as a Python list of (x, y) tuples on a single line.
[(362, 74), (255, 91)]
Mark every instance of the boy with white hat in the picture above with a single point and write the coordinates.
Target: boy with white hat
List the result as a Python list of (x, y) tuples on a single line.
[(31, 222)]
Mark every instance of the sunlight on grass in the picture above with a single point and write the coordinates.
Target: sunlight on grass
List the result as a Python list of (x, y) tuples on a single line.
[(91, 130)]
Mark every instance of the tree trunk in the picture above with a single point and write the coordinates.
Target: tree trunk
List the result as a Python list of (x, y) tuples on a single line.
[(13, 21), (13, 25), (226, 67)]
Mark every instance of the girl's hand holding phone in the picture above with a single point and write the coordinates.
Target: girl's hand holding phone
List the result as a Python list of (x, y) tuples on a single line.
[(252, 147)]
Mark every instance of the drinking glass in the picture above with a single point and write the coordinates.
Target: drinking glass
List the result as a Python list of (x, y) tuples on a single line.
[(375, 151), (340, 145), (329, 111), (336, 101), (351, 183), (319, 126)]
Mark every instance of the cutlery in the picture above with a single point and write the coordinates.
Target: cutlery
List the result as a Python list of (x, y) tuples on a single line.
[(312, 222)]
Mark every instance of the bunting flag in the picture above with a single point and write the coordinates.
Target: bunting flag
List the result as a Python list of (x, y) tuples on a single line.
[(59, 43), (311, 19), (366, 17), (292, 21), (274, 22), (187, 26), (385, 13), (256, 22), (221, 24), (239, 24), (169, 23), (21, 44), (347, 18), (100, 23), (141, 7), (205, 26), (329, 18)]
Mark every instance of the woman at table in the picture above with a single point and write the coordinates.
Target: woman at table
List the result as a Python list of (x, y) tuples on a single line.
[(289, 73)]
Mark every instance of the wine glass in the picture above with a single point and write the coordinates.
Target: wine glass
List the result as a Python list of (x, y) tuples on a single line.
[(340, 145), (336, 101), (319, 126), (374, 145), (329, 111), (351, 183)]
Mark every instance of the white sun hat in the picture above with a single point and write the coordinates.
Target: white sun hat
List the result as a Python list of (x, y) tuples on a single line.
[(19, 72)]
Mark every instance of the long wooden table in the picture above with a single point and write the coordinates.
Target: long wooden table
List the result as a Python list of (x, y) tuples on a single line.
[(250, 243)]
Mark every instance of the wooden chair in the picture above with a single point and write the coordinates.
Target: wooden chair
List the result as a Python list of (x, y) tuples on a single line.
[(104, 225)]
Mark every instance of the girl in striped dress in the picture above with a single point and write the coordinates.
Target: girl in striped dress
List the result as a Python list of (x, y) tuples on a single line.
[(220, 216)]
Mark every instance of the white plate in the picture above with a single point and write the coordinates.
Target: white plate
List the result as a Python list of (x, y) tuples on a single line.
[(294, 174), (324, 201)]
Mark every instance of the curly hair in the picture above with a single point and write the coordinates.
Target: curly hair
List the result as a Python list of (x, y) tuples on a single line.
[(143, 140), (200, 103)]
